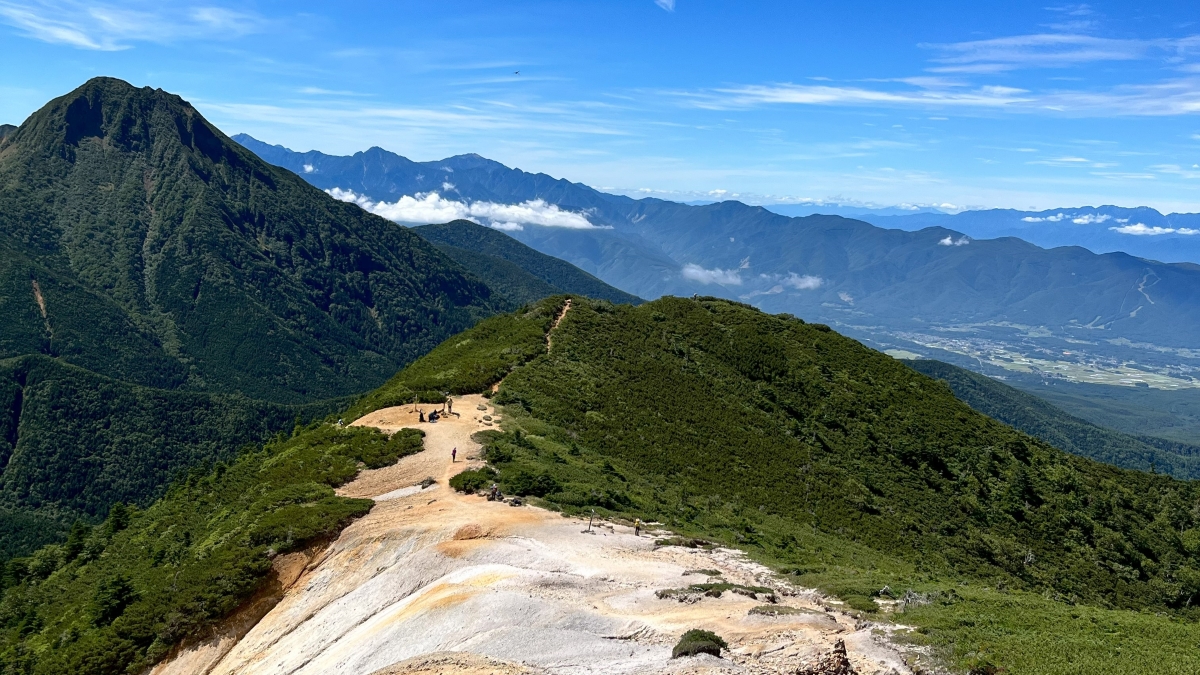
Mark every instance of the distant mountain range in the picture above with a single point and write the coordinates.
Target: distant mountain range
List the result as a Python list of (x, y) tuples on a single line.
[(1142, 232), (821, 267)]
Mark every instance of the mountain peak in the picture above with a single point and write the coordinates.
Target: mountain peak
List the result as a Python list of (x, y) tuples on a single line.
[(123, 117), (172, 229)]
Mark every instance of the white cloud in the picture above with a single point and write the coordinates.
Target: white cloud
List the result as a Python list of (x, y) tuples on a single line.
[(1140, 229), (752, 95), (951, 241), (1052, 50), (1179, 96), (806, 282), (668, 5), (1090, 219), (108, 27), (714, 276), (308, 168), (1048, 219), (430, 207), (447, 186)]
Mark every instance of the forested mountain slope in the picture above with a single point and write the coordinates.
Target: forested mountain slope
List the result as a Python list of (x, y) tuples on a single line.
[(781, 437), (139, 242), (1041, 419), (73, 443), (492, 255)]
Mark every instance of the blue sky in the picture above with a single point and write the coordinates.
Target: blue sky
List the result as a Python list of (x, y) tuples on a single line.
[(1014, 104)]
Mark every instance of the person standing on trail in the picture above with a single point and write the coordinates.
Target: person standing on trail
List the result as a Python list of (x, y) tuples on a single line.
[(637, 527), (449, 405), (454, 455), (421, 416)]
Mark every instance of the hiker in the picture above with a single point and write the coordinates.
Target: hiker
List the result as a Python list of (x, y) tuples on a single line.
[(637, 527), (421, 415), (454, 455), (494, 493), (449, 405), (433, 416)]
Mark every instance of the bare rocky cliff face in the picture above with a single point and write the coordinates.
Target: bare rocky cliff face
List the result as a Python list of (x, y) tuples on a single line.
[(434, 582)]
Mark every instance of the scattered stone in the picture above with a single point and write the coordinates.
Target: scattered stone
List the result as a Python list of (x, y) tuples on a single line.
[(835, 662), (481, 407), (427, 482)]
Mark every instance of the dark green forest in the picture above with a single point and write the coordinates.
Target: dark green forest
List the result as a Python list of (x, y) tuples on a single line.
[(73, 443), (1041, 419), (492, 250), (507, 278)]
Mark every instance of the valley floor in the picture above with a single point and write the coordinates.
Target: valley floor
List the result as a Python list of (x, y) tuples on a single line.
[(435, 582)]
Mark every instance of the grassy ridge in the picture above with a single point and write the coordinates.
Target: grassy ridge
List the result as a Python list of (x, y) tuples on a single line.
[(1043, 420), (115, 598), (470, 362), (853, 472)]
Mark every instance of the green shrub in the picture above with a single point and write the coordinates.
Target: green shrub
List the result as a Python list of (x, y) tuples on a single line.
[(474, 480), (528, 484), (780, 610), (698, 641), (861, 603)]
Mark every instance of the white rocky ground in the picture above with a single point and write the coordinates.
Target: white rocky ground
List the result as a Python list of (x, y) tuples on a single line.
[(432, 582)]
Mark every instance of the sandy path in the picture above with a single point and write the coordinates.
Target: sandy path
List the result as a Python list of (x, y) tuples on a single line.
[(440, 438), (431, 581)]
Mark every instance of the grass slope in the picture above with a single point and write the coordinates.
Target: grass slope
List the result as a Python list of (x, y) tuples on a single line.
[(73, 443), (1040, 419), (486, 241), (140, 242)]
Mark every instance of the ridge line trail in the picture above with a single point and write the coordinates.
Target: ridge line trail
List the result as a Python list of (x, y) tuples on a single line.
[(436, 582), (557, 320), (562, 314)]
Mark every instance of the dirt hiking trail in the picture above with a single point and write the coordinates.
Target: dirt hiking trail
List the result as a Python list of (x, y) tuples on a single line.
[(432, 582)]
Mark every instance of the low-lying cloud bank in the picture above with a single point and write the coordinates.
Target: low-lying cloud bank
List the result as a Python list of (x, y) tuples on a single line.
[(695, 272), (1140, 229), (431, 207)]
